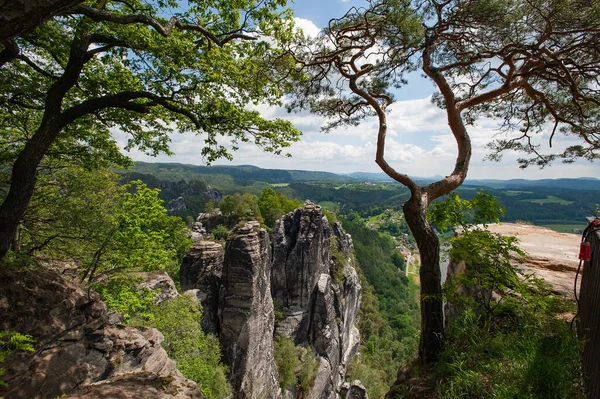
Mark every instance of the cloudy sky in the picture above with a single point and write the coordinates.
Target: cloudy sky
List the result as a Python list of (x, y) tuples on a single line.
[(419, 141)]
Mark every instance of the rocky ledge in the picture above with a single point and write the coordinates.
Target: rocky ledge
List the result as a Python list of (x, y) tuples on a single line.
[(81, 350), (551, 256)]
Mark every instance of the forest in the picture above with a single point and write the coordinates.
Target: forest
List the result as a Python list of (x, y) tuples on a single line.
[(83, 83)]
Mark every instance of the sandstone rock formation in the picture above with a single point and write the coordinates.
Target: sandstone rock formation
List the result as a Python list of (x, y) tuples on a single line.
[(318, 311), (317, 297), (176, 205), (81, 351), (160, 283), (551, 256), (205, 223), (246, 313), (353, 391), (201, 270)]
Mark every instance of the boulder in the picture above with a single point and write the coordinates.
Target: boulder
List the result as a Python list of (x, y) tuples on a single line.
[(160, 283), (80, 351), (356, 390)]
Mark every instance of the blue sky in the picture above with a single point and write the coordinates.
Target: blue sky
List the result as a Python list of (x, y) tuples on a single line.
[(419, 141)]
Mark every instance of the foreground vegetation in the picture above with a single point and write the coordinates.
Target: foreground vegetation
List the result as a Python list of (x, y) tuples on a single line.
[(507, 335)]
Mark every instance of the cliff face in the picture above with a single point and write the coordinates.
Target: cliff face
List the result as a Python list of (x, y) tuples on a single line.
[(317, 297), (246, 314)]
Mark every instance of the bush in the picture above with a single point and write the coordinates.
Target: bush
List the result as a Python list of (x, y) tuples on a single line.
[(338, 262), (297, 366), (120, 293), (220, 233), (198, 355), (308, 370), (287, 361), (520, 351), (11, 342)]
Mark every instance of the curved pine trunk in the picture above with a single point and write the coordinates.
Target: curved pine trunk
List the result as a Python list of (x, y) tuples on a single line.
[(432, 316)]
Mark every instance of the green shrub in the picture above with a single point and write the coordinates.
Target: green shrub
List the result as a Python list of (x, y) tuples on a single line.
[(198, 355), (11, 342), (121, 293), (287, 361), (220, 233), (339, 262), (297, 366), (331, 218), (308, 370), (520, 351)]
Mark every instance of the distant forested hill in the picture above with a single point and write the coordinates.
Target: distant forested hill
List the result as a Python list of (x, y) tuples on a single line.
[(243, 173), (536, 201)]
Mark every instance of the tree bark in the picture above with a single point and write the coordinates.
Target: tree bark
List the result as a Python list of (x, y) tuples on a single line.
[(19, 16), (432, 317), (24, 171)]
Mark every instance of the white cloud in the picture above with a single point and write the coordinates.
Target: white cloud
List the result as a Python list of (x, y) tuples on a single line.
[(419, 143), (307, 26)]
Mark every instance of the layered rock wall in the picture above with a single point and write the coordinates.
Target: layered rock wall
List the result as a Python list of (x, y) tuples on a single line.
[(246, 314), (316, 297)]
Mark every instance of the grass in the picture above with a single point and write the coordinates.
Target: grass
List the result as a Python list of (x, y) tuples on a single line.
[(551, 199), (514, 193), (508, 356), (279, 184), (564, 228), (413, 291), (329, 206)]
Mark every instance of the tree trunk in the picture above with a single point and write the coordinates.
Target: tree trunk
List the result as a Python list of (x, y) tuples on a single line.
[(23, 182), (432, 317)]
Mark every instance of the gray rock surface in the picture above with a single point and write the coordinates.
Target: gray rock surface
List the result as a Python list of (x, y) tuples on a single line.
[(317, 310), (317, 296), (176, 205), (79, 348), (246, 314), (214, 195), (160, 283), (201, 270), (356, 390)]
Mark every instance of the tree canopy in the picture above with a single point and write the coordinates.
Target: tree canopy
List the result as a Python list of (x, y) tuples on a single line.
[(534, 65), (148, 69)]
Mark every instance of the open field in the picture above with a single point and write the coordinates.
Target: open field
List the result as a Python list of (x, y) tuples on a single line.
[(279, 184), (551, 199), (512, 193), (329, 206)]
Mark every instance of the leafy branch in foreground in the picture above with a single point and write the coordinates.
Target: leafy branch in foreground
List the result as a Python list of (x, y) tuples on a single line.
[(121, 66), (105, 228)]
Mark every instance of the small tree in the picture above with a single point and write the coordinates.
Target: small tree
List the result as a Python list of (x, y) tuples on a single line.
[(106, 228), (240, 207), (534, 65)]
